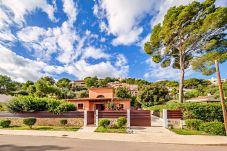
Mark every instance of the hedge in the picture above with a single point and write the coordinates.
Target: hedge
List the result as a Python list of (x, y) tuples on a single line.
[(203, 111), (193, 124), (32, 104), (213, 128)]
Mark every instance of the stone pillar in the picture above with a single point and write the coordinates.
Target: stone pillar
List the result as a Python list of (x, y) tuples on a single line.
[(165, 120), (85, 117), (128, 118), (96, 118)]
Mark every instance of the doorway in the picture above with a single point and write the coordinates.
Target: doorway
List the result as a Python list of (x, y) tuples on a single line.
[(100, 107)]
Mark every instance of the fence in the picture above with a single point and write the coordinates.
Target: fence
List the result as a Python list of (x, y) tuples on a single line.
[(134, 117), (172, 114)]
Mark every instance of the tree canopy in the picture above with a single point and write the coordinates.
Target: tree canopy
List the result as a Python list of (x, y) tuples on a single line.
[(186, 32)]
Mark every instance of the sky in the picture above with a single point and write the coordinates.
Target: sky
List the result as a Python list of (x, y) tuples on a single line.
[(80, 38)]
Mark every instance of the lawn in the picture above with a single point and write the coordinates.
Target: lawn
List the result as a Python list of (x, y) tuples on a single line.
[(187, 132), (111, 130), (43, 128)]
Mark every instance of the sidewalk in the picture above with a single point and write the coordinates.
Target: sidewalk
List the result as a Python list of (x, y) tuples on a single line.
[(146, 134)]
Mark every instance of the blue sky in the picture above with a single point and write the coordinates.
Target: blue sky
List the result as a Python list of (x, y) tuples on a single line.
[(75, 39)]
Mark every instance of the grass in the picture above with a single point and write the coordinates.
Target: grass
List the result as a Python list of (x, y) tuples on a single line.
[(43, 128), (110, 130), (187, 132)]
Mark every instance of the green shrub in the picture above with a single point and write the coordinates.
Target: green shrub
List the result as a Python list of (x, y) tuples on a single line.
[(31, 104), (29, 122), (104, 123), (204, 111), (63, 122), (121, 121), (5, 123), (214, 128), (193, 124), (58, 107)]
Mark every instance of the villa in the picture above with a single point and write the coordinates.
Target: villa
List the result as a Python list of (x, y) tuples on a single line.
[(101, 99)]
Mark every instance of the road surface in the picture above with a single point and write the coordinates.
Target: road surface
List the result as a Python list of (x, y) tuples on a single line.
[(34, 143)]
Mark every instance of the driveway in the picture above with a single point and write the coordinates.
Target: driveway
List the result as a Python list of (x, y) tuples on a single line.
[(34, 143)]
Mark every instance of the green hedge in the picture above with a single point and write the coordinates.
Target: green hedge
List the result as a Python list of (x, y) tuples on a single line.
[(203, 111), (104, 123), (213, 128), (193, 124), (31, 104)]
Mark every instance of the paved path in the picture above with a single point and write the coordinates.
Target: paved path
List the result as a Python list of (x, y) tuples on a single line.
[(32, 143), (146, 134)]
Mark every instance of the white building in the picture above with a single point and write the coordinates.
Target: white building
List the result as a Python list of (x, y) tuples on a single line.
[(215, 80)]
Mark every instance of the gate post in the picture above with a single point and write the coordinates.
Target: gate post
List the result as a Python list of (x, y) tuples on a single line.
[(165, 120), (96, 118), (85, 117), (128, 118)]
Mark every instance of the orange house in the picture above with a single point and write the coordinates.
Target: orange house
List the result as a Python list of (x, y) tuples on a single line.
[(101, 99)]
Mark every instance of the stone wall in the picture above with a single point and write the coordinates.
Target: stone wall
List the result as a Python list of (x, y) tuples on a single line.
[(48, 121)]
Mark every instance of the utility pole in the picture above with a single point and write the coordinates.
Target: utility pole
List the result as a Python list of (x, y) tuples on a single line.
[(221, 95)]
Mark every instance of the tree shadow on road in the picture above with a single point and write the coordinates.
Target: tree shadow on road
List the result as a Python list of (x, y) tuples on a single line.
[(10, 147)]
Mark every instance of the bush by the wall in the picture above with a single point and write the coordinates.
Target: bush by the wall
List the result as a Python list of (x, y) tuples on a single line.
[(203, 111), (31, 104), (29, 121), (5, 123), (193, 124), (121, 121), (58, 107), (104, 123), (213, 128)]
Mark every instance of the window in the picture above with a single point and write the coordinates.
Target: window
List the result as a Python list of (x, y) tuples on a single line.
[(80, 106), (100, 96)]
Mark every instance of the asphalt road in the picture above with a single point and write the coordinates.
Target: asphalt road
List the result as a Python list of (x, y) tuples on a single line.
[(32, 143)]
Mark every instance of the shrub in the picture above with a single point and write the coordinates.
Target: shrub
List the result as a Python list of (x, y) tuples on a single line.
[(5, 123), (193, 124), (63, 122), (121, 121), (29, 122), (58, 107), (31, 104), (214, 128), (204, 111), (104, 123)]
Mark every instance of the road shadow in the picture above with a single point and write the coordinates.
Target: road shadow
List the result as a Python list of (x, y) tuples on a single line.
[(10, 147)]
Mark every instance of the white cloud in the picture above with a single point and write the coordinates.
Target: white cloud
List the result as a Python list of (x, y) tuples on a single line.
[(45, 45), (22, 69), (96, 53), (70, 9), (82, 69), (156, 71), (20, 8), (123, 18)]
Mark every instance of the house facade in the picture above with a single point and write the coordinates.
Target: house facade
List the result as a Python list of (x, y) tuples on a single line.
[(101, 99)]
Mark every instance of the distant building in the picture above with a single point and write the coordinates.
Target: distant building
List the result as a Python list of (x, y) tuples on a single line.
[(100, 99), (133, 88), (205, 99), (78, 84), (214, 81)]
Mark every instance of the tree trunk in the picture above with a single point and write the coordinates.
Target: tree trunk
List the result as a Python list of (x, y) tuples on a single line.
[(221, 95), (181, 83)]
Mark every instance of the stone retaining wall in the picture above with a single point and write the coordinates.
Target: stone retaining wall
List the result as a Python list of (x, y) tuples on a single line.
[(47, 121)]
